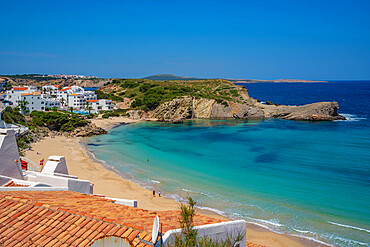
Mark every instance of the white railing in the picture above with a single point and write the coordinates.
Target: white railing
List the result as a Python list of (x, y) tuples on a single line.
[(32, 166)]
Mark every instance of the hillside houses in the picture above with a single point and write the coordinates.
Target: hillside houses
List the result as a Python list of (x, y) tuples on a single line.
[(51, 96), (101, 104)]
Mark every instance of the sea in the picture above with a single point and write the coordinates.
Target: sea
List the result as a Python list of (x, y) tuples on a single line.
[(306, 179)]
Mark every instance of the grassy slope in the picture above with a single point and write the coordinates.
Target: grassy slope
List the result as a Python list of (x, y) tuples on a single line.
[(148, 94)]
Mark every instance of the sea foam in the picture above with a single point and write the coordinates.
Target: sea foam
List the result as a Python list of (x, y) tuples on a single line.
[(347, 226)]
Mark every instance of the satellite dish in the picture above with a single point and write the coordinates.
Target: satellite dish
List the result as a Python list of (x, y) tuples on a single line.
[(155, 229)]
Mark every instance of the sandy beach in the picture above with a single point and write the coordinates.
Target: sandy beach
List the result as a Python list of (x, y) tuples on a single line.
[(110, 184)]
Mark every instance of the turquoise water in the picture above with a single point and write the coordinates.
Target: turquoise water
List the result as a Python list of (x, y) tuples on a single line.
[(303, 178), (82, 112)]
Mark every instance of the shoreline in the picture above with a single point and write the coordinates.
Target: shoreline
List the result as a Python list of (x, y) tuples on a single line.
[(111, 183)]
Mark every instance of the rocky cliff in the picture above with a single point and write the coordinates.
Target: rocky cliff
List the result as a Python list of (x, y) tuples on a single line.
[(191, 108)]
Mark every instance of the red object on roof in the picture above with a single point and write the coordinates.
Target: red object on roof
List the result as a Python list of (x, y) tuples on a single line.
[(92, 100), (24, 164), (20, 88), (64, 89), (57, 86), (12, 184)]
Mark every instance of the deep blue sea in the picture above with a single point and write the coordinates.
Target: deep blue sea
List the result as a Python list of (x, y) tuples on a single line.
[(308, 179)]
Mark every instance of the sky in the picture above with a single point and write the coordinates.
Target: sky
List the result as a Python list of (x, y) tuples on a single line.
[(257, 39)]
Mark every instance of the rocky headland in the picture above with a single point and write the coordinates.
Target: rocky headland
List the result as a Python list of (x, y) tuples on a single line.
[(192, 108), (175, 101)]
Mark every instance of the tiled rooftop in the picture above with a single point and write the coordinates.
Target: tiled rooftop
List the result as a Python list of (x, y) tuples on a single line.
[(20, 88), (63, 218), (31, 93)]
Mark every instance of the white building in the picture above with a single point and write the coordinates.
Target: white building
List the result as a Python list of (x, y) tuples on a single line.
[(100, 105), (51, 89), (70, 93), (35, 102), (90, 95), (76, 100), (14, 95), (51, 103)]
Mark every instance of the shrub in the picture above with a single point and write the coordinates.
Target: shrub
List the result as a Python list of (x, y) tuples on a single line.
[(113, 113), (57, 121), (13, 116), (129, 84), (145, 87), (136, 103), (188, 236)]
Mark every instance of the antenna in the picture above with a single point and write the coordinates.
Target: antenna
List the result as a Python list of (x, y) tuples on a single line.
[(155, 229), (155, 233)]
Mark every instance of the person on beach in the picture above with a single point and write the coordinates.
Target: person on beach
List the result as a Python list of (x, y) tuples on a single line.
[(159, 193), (154, 193), (147, 160)]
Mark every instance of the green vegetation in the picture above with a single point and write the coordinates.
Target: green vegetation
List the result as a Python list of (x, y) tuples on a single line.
[(148, 94), (57, 121), (188, 236), (168, 77), (36, 121), (115, 113), (13, 116), (24, 142), (113, 97), (53, 120)]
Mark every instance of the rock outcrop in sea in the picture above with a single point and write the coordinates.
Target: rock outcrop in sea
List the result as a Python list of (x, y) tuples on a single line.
[(201, 108)]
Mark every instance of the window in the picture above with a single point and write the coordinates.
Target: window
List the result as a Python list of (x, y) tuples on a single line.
[(42, 102)]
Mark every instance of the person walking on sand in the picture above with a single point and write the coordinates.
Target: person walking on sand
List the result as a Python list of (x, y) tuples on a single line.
[(154, 193), (159, 193)]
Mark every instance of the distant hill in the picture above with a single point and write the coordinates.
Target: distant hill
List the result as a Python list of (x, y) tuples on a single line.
[(169, 77), (272, 81)]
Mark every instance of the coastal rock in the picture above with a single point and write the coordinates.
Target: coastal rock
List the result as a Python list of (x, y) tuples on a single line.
[(270, 103), (88, 130), (178, 120), (174, 109), (137, 114), (322, 111), (191, 108)]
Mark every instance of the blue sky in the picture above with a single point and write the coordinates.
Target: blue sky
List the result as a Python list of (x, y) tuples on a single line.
[(257, 39)]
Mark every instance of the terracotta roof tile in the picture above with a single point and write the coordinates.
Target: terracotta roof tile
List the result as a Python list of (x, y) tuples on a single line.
[(93, 235), (55, 218), (86, 242)]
